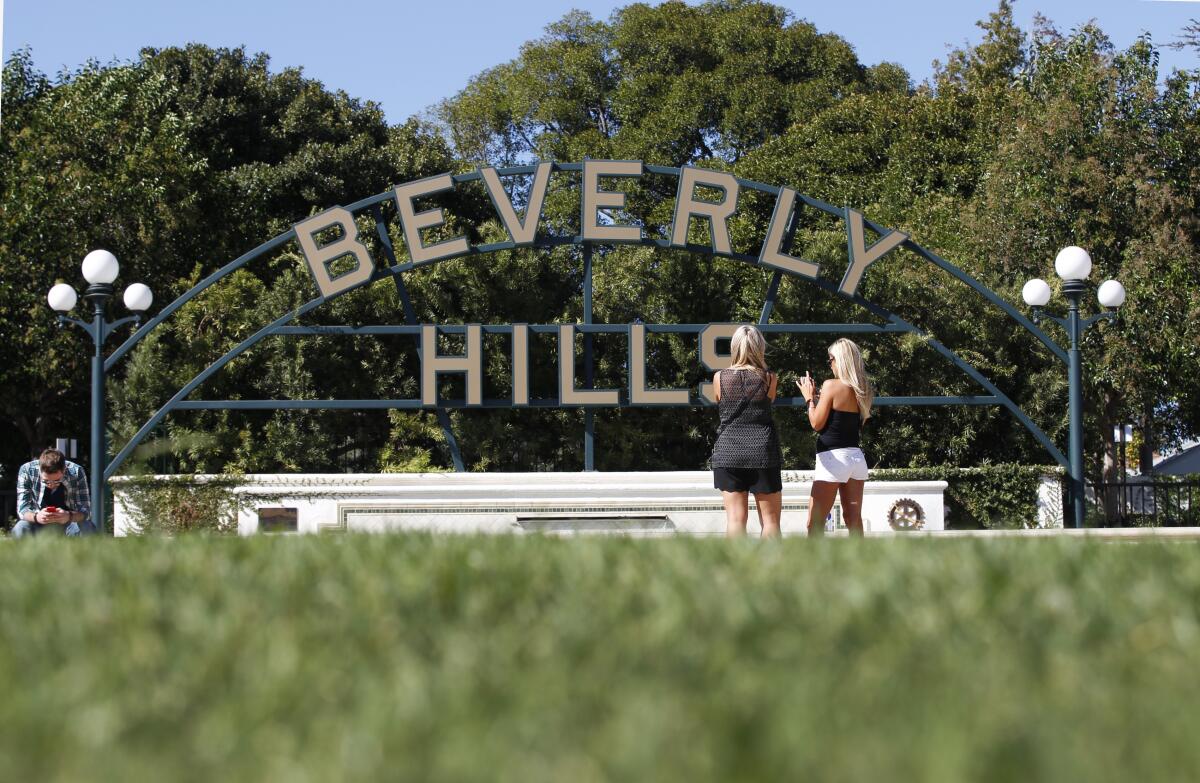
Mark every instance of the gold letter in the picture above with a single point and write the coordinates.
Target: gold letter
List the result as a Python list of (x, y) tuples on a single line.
[(520, 364), (319, 256), (521, 231), (861, 256), (772, 254), (414, 221), (471, 363), (716, 213), (567, 393), (594, 199), (638, 393), (709, 357)]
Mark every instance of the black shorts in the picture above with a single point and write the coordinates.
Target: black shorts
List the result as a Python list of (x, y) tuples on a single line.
[(760, 481)]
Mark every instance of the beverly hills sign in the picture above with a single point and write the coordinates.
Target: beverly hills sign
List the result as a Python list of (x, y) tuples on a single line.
[(357, 267), (339, 262)]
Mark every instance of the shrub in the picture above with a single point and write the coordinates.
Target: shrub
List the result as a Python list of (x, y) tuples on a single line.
[(991, 496), (169, 505)]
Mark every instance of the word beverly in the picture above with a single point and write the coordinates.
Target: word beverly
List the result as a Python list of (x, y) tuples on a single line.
[(594, 199)]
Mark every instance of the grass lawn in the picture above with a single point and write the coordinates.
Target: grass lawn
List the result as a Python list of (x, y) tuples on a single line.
[(537, 659)]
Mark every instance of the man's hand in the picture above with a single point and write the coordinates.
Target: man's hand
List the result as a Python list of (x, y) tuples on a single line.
[(45, 517)]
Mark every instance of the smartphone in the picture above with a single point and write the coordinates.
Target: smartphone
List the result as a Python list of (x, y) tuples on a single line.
[(52, 509)]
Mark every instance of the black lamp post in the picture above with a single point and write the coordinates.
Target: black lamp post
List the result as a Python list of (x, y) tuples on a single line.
[(100, 269), (1073, 265)]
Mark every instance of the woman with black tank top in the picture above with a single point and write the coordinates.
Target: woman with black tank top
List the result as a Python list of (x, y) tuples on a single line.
[(746, 457), (838, 413)]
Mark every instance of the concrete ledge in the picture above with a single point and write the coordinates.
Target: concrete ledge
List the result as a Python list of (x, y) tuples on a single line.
[(633, 503)]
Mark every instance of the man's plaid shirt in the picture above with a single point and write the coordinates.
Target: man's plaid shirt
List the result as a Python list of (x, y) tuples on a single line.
[(75, 484)]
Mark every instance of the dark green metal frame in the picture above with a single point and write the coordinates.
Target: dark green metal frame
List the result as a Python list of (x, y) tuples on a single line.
[(396, 271)]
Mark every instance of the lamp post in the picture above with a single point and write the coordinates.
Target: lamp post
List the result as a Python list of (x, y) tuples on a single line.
[(100, 269), (1073, 265)]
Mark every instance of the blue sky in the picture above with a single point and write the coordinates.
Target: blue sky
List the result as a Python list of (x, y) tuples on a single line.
[(406, 56)]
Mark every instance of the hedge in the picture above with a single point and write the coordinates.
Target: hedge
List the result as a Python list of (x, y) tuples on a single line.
[(992, 496)]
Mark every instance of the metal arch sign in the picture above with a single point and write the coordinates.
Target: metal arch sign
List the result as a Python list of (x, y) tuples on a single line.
[(523, 232), (598, 227)]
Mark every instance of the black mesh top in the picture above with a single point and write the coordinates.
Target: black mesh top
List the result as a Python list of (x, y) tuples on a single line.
[(747, 437)]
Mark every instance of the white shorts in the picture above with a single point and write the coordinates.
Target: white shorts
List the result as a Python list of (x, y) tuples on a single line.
[(840, 465)]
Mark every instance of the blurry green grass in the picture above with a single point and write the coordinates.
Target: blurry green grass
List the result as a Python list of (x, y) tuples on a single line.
[(537, 659)]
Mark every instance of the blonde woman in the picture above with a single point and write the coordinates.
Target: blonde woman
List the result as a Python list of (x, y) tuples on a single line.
[(746, 457), (838, 413)]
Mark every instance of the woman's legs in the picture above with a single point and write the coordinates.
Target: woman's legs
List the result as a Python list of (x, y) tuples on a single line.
[(852, 493), (823, 495), (737, 508), (770, 506)]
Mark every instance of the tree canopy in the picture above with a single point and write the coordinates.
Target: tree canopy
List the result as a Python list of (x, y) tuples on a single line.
[(1018, 146)]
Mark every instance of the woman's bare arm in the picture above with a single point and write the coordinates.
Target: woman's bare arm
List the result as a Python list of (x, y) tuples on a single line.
[(818, 415)]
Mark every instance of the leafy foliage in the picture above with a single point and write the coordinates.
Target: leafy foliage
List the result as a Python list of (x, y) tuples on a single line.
[(989, 496), (171, 505), (1019, 146), (178, 163), (1025, 143)]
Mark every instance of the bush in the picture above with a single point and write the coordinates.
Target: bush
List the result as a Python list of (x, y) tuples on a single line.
[(992, 496), (170, 505)]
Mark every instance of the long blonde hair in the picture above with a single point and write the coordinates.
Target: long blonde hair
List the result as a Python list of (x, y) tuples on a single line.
[(749, 349), (850, 371)]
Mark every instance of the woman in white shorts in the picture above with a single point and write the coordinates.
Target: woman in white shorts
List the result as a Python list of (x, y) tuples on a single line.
[(837, 413)]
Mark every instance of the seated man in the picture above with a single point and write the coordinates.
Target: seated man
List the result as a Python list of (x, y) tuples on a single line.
[(52, 496)]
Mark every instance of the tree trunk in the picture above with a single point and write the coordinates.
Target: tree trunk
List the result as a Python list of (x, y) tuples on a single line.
[(1146, 449), (33, 428), (1110, 475)]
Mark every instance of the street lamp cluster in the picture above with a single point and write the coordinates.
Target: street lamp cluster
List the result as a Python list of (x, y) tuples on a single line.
[(100, 269), (1073, 265)]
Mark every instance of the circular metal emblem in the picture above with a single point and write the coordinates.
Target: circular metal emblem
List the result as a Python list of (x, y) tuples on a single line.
[(906, 514)]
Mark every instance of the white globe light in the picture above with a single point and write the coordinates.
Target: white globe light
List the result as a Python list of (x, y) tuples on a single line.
[(1111, 294), (62, 298), (138, 297), (1036, 292), (100, 266), (1073, 263)]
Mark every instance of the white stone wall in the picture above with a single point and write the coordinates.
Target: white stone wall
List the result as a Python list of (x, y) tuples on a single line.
[(644, 504)]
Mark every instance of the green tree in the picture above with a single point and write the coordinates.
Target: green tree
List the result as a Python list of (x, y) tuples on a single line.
[(96, 160), (178, 163), (1099, 156), (1020, 145)]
